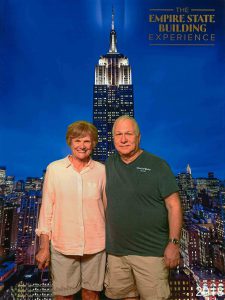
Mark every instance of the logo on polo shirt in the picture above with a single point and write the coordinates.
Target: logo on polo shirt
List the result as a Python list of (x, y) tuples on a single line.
[(143, 170)]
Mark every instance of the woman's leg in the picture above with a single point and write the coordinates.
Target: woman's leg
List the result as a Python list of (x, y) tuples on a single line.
[(89, 295), (63, 297)]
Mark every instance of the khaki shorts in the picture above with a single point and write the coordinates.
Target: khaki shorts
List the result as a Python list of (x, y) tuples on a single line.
[(70, 273), (132, 276)]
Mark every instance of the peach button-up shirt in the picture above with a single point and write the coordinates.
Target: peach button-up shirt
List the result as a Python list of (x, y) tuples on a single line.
[(72, 210)]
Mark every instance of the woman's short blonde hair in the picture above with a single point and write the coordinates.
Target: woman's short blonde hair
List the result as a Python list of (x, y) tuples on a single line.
[(81, 129)]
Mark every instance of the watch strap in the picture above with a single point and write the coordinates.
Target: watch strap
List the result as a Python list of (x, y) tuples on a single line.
[(174, 241)]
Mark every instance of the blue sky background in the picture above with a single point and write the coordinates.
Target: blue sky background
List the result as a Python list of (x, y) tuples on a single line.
[(48, 51)]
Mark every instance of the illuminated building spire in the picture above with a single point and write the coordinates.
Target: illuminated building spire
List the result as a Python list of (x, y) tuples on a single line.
[(112, 18), (188, 169), (113, 48)]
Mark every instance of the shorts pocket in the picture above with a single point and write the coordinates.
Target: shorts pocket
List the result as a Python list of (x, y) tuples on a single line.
[(119, 281)]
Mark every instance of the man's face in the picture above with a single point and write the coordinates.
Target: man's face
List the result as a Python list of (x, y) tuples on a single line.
[(82, 147), (126, 140)]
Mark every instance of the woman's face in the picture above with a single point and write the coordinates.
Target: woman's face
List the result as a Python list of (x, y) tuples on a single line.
[(82, 147)]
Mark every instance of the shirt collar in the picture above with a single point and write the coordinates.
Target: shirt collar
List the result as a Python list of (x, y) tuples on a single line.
[(67, 163)]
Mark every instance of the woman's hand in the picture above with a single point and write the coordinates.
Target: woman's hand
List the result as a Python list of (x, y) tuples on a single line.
[(43, 258)]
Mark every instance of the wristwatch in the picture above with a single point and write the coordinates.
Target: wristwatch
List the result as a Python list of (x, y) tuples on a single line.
[(174, 241)]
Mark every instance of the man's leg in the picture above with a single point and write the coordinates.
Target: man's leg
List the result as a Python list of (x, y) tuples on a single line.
[(151, 276), (119, 279)]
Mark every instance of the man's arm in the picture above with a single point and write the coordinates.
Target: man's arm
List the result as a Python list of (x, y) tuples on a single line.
[(171, 253)]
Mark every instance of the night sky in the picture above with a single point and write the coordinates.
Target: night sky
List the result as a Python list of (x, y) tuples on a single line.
[(48, 51)]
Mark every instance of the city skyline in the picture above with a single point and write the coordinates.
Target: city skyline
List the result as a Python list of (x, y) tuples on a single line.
[(48, 58)]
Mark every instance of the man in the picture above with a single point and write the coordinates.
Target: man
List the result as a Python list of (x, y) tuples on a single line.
[(72, 219), (143, 216)]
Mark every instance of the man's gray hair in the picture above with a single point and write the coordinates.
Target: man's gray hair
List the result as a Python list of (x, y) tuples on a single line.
[(126, 117)]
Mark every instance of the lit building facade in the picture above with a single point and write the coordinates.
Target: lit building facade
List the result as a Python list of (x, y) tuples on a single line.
[(9, 183), (186, 189), (2, 175), (32, 290), (6, 228), (28, 218), (219, 258), (33, 184), (206, 234), (182, 285), (190, 246), (1, 217), (113, 95)]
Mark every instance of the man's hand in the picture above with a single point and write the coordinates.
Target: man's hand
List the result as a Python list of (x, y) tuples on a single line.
[(43, 258), (172, 255)]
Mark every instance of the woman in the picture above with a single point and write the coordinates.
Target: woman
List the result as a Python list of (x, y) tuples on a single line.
[(72, 218)]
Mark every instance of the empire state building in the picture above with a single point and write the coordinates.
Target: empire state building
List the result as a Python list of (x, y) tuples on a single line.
[(113, 95)]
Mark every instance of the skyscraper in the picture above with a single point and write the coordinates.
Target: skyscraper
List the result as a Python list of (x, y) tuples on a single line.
[(113, 95), (27, 223), (186, 189), (2, 175)]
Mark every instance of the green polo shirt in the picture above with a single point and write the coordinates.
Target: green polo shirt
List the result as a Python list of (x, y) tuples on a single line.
[(136, 216)]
